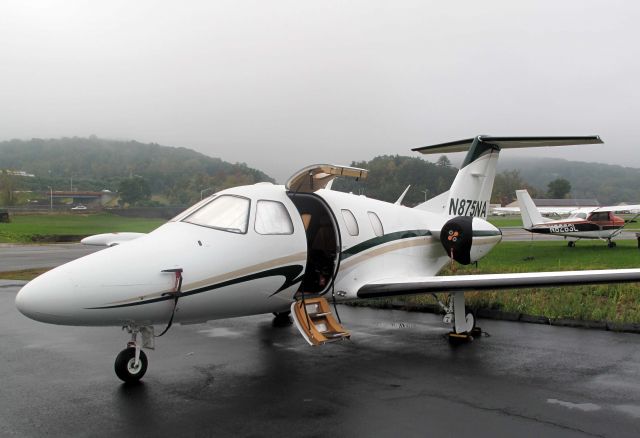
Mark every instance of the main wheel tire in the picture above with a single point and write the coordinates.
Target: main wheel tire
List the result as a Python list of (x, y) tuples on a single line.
[(470, 318), (611, 244), (571, 244), (125, 368)]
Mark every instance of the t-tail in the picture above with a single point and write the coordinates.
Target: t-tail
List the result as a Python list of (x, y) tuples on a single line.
[(471, 190)]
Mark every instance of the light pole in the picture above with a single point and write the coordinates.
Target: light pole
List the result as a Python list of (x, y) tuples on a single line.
[(50, 198), (204, 190)]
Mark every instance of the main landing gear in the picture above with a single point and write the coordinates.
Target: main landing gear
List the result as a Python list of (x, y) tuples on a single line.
[(131, 363), (281, 319), (611, 243), (464, 322)]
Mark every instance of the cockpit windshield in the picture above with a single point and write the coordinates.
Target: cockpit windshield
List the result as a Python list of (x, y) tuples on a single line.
[(226, 213)]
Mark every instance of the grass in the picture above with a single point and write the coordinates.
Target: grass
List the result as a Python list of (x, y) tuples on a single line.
[(506, 221), (617, 302), (24, 274), (69, 227)]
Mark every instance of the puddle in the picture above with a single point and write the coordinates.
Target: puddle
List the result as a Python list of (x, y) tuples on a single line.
[(632, 410), (395, 325), (220, 332), (585, 407)]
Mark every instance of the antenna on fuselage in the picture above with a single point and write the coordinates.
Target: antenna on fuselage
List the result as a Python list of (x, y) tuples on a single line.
[(399, 201)]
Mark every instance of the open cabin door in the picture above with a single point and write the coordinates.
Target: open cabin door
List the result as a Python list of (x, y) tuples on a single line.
[(311, 312), (317, 176)]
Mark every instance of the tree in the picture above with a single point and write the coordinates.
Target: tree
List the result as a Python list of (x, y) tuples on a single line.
[(559, 188), (505, 186), (443, 161), (134, 190), (6, 188)]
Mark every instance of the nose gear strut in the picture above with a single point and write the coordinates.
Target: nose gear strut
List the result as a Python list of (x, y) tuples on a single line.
[(131, 363)]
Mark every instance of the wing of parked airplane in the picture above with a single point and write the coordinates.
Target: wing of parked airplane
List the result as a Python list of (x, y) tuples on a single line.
[(110, 239), (632, 208)]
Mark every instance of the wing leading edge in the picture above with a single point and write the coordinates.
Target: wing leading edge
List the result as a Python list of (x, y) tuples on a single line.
[(421, 285)]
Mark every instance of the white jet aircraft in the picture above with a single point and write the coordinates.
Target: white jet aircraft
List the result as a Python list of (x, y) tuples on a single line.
[(584, 223), (278, 249)]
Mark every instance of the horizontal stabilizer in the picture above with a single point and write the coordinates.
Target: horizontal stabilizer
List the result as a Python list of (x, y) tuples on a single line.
[(507, 143), (422, 285)]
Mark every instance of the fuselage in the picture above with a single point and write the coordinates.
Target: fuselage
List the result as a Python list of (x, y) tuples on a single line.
[(598, 225), (258, 254)]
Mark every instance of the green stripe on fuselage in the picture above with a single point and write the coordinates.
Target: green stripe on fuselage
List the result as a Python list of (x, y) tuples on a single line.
[(376, 241)]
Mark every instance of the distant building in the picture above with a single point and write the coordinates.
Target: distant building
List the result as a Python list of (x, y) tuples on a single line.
[(102, 198), (20, 173)]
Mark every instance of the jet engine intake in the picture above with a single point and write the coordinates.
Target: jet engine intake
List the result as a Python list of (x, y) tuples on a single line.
[(467, 239)]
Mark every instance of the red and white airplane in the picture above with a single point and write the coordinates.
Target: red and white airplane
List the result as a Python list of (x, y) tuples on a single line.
[(278, 249), (583, 223)]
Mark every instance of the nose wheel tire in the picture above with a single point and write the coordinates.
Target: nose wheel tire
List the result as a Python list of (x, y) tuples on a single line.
[(127, 369)]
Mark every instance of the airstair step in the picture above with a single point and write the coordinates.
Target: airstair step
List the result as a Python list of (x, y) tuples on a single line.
[(316, 323)]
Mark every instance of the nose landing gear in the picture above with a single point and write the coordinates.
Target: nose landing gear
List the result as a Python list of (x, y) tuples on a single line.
[(131, 363)]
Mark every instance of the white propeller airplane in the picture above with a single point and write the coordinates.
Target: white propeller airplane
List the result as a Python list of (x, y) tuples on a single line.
[(277, 249), (583, 223)]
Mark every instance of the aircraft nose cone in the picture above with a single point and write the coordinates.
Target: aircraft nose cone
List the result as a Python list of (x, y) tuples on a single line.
[(27, 301), (41, 300)]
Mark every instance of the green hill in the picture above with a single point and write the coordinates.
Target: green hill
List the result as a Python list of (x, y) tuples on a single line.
[(389, 175), (609, 184), (177, 174)]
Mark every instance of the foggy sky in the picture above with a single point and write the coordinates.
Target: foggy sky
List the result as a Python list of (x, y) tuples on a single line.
[(283, 84)]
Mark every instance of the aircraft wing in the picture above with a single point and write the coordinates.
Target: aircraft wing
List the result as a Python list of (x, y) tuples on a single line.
[(553, 210), (110, 239), (633, 208), (421, 285)]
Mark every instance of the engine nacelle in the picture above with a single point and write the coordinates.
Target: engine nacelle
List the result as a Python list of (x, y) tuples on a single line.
[(467, 239)]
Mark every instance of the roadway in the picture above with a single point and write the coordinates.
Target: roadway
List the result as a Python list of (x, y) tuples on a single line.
[(17, 257), (398, 376)]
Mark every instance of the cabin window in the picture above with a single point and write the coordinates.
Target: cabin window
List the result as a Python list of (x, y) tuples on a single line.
[(599, 217), (226, 213), (350, 222), (272, 217), (376, 224)]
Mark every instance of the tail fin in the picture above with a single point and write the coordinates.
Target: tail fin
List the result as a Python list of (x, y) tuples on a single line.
[(528, 210), (471, 190)]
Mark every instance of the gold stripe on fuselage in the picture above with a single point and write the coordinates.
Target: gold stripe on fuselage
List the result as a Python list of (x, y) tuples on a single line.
[(223, 277)]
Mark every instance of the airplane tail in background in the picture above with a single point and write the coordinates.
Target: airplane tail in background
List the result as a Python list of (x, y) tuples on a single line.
[(471, 190), (528, 210)]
